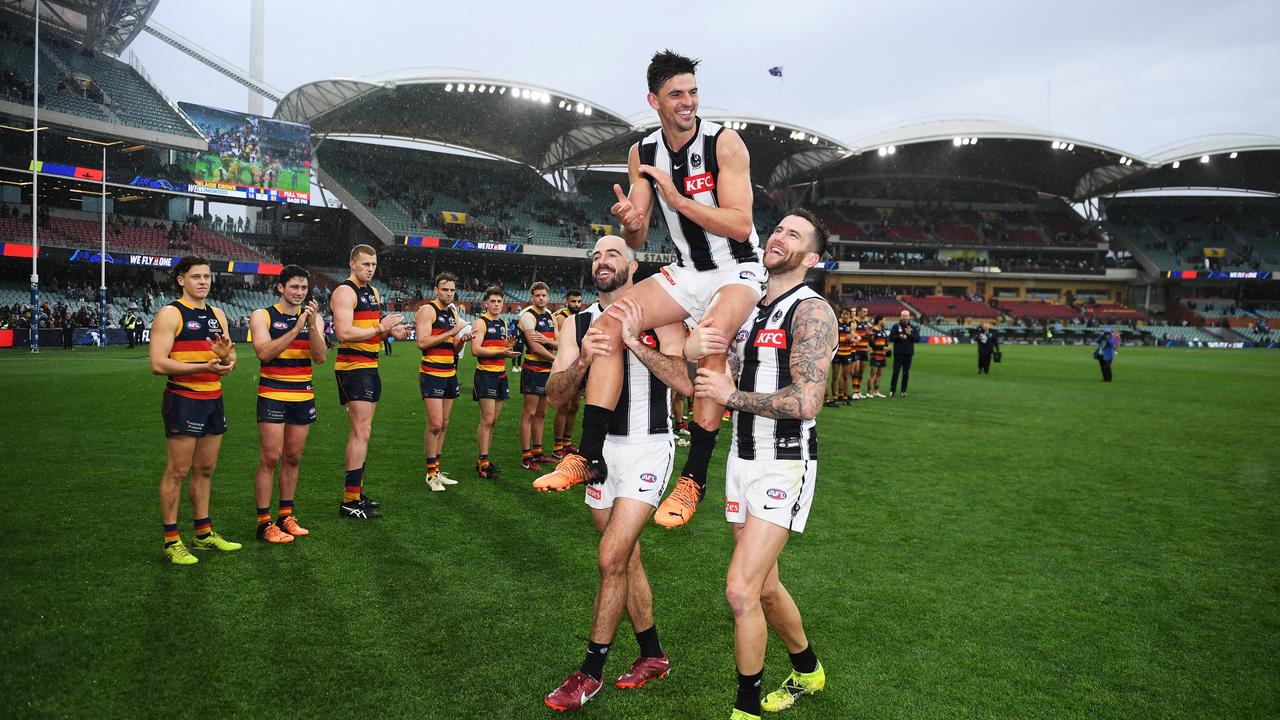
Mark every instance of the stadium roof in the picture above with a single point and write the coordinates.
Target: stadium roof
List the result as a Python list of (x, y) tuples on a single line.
[(528, 123), (539, 126), (984, 149), (105, 25), (1219, 162)]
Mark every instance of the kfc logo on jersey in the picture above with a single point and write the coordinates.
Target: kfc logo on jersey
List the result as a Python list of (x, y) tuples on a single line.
[(649, 340), (593, 492), (771, 339), (731, 506), (699, 183)]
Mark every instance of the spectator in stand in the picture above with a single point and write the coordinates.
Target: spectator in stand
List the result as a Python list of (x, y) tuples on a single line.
[(1105, 353), (904, 335), (988, 345)]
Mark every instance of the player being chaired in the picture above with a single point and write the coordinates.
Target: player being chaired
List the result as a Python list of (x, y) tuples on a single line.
[(287, 338), (698, 172)]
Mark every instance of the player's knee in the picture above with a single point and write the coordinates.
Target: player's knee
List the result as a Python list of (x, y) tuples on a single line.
[(435, 428), (202, 470), (741, 595), (768, 594), (269, 457), (292, 459), (613, 562), (174, 472)]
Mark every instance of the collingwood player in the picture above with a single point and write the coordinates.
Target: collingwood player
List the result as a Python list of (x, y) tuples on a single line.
[(639, 453), (782, 356), (696, 174)]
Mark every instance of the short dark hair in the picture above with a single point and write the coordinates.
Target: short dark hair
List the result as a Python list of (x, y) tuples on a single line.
[(493, 290), (292, 271), (185, 264), (446, 277), (573, 293), (667, 64), (820, 234)]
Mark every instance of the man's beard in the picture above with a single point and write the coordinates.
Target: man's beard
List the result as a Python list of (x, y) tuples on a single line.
[(619, 279)]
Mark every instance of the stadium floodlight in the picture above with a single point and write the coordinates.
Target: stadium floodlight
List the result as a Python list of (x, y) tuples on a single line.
[(1204, 158), (1122, 159), (448, 87), (973, 141), (1176, 164), (579, 107), (546, 98), (561, 105), (587, 111), (1071, 147), (882, 152), (772, 128), (526, 94), (1234, 155), (471, 88), (957, 142), (893, 149), (814, 139), (1056, 145), (502, 90)]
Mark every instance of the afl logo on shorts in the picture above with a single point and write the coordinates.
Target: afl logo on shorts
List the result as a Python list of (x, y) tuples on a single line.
[(280, 325), (746, 275), (776, 494), (649, 478), (193, 325), (771, 339)]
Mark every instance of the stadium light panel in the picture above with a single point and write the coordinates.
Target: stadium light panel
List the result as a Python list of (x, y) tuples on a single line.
[(448, 87), (1176, 164), (1071, 147), (578, 107), (814, 139), (561, 104), (1204, 158), (546, 99), (502, 90), (956, 142), (893, 149), (772, 128), (526, 94), (1056, 145), (882, 152), (1122, 159), (1234, 155), (471, 88), (973, 141), (587, 111)]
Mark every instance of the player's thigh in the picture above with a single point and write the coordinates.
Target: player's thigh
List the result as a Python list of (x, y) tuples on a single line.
[(435, 411), (757, 545), (180, 452), (271, 438), (487, 410), (360, 413), (206, 454), (657, 304), (295, 438)]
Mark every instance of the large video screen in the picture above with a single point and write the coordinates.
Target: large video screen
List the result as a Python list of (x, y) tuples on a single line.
[(250, 157)]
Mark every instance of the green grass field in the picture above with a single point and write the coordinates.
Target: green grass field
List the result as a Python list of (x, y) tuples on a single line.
[(1030, 544)]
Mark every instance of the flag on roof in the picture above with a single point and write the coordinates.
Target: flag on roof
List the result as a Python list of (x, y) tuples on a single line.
[(776, 71)]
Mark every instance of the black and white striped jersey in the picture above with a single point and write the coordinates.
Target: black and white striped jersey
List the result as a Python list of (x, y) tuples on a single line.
[(643, 413), (695, 172), (764, 347)]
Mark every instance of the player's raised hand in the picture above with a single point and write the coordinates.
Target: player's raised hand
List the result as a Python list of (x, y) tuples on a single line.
[(666, 186), (313, 308), (399, 332), (389, 322), (222, 347), (626, 212)]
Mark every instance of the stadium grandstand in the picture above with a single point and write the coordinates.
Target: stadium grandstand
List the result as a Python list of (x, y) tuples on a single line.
[(960, 221)]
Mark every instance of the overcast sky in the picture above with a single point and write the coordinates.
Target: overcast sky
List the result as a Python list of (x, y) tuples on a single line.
[(1133, 75)]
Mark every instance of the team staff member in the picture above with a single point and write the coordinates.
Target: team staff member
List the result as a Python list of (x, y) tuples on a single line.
[(287, 338), (843, 359), (189, 343), (491, 344), (782, 361), (640, 454), (879, 352), (564, 419), (904, 335), (1105, 353), (360, 327), (988, 343), (539, 332), (440, 334)]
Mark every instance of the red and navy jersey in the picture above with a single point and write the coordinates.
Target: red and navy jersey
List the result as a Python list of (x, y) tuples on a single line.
[(194, 344), (366, 314), (863, 328), (879, 344), (495, 337), (545, 324), (440, 360), (287, 376), (844, 348)]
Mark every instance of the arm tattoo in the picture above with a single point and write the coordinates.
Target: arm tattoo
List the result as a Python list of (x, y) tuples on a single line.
[(564, 384), (735, 365), (814, 339)]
